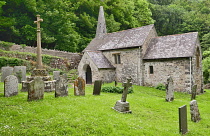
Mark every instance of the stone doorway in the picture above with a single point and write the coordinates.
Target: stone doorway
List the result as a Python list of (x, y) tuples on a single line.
[(88, 75)]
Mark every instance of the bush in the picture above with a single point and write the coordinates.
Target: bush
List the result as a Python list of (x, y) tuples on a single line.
[(161, 87), (5, 45), (113, 89)]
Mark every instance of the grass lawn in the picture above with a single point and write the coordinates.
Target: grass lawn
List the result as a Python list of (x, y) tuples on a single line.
[(92, 115)]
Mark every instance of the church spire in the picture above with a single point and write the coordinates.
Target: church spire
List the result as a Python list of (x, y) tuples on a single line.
[(101, 26)]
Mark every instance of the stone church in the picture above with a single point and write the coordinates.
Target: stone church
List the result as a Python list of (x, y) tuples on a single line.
[(140, 53)]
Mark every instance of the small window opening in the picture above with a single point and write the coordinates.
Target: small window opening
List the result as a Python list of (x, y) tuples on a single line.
[(151, 71), (198, 58), (117, 58)]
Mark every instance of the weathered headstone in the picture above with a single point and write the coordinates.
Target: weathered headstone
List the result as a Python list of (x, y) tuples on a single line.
[(97, 87), (183, 119), (56, 75), (20, 73), (194, 89), (121, 105), (79, 86), (36, 89), (10, 86), (6, 71), (169, 90), (61, 86), (194, 111)]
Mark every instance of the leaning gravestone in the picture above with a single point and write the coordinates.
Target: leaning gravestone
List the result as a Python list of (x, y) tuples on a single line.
[(79, 86), (10, 86), (169, 90), (6, 71), (194, 111), (56, 75), (121, 105), (20, 73), (61, 86), (183, 119), (193, 96), (36, 89), (97, 87)]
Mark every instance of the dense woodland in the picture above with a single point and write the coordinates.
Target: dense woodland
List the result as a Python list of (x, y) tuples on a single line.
[(69, 25)]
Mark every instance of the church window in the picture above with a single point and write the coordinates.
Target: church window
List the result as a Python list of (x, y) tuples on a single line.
[(117, 59), (151, 71)]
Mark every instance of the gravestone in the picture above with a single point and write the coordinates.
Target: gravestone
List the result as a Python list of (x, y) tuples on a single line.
[(20, 73), (194, 89), (194, 111), (56, 75), (61, 86), (169, 90), (115, 83), (79, 86), (36, 89), (97, 87), (121, 105), (6, 71), (183, 119), (10, 86)]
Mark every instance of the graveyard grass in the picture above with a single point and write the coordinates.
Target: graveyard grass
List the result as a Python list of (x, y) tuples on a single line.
[(93, 115)]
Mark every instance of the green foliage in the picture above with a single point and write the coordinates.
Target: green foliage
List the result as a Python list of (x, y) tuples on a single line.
[(5, 61), (161, 87), (113, 89), (5, 45)]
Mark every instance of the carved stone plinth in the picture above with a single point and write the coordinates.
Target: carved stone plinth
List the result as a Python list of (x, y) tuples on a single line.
[(49, 84), (39, 72), (122, 107)]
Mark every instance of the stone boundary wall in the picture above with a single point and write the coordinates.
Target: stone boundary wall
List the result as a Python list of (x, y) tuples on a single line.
[(74, 58)]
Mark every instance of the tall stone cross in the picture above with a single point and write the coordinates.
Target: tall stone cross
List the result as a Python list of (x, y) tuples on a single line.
[(125, 91), (39, 49)]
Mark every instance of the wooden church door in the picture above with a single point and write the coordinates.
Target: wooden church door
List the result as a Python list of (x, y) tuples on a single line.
[(88, 75)]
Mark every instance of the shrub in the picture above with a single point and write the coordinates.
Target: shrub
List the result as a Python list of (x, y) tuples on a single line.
[(161, 87), (5, 45), (113, 89)]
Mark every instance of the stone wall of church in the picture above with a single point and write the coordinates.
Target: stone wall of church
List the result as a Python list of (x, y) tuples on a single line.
[(106, 75), (178, 69), (129, 66)]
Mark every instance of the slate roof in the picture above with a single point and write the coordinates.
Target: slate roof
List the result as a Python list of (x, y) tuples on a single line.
[(118, 40), (99, 59), (172, 46)]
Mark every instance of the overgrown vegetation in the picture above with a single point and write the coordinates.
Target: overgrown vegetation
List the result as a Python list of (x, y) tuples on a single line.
[(161, 87), (15, 58), (115, 89), (92, 115)]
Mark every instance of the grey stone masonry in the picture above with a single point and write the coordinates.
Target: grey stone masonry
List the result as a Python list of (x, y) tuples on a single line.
[(10, 86), (36, 89), (194, 111), (61, 86), (20, 73), (169, 90), (6, 71), (56, 75)]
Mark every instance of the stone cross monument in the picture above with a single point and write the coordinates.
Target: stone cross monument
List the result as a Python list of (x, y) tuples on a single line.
[(39, 49), (122, 105), (125, 91)]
